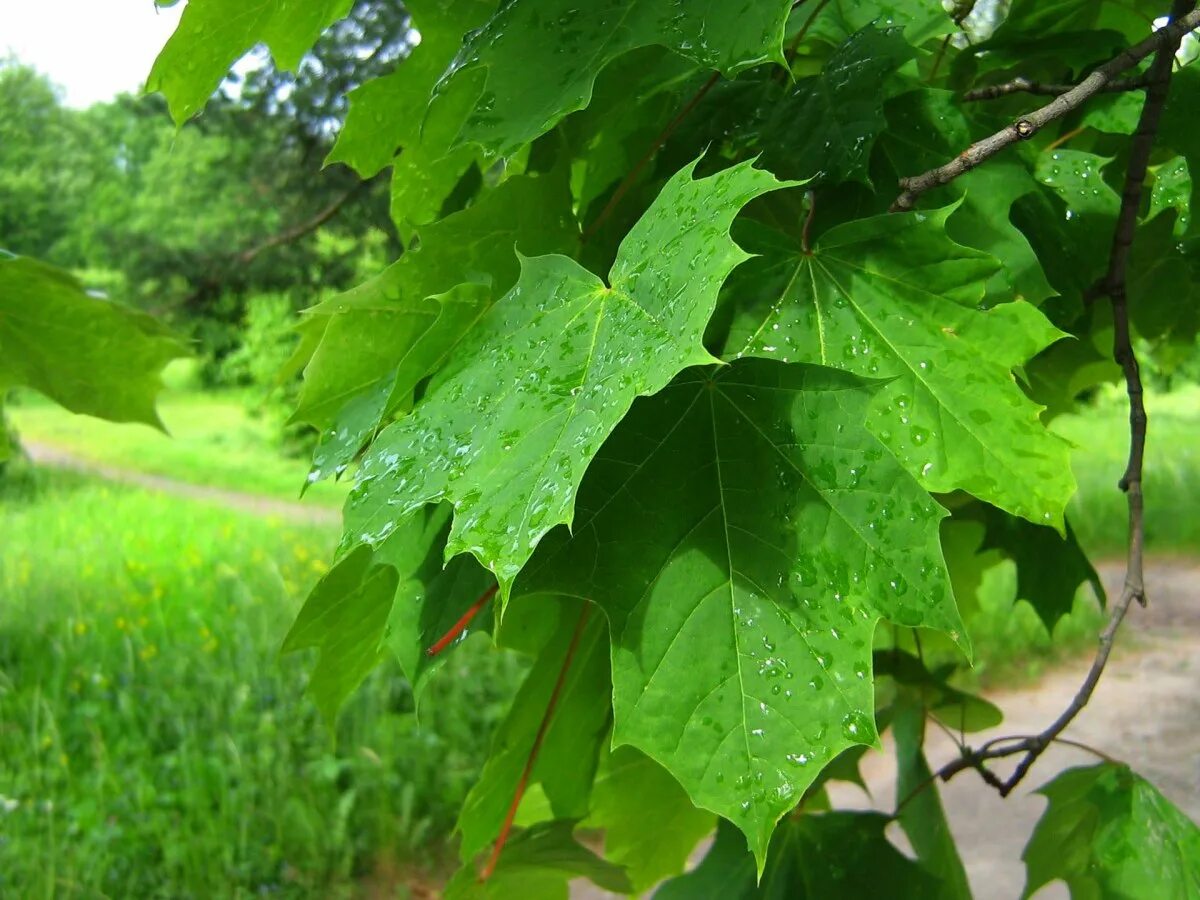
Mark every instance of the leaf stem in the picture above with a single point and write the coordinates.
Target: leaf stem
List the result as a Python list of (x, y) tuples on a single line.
[(523, 782), (811, 197), (461, 625)]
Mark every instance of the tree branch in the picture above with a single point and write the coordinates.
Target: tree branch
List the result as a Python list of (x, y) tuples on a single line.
[(296, 232), (1027, 126), (1031, 747), (1026, 86)]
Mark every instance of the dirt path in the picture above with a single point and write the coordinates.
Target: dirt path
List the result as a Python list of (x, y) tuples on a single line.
[(47, 455)]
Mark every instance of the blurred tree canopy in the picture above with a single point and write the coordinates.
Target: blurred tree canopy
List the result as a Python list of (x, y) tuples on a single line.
[(192, 223)]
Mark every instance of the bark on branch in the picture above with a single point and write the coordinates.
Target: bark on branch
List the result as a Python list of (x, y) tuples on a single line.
[(1044, 89), (1114, 285), (1027, 126)]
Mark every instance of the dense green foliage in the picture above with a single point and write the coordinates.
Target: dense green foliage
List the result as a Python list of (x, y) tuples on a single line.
[(590, 433), (728, 406)]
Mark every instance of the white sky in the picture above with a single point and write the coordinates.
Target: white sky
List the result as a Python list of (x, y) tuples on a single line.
[(93, 49)]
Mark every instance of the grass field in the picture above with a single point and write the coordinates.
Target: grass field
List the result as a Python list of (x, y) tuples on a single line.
[(212, 440), (1172, 472), (153, 743)]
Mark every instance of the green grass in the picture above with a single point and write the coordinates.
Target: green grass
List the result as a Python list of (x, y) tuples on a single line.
[(212, 440), (153, 744), (1172, 472)]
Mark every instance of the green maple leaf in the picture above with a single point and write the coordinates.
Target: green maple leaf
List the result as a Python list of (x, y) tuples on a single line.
[(1180, 130), (1050, 567), (84, 353), (825, 126), (1107, 832), (919, 808), (510, 424), (214, 34), (403, 322), (397, 597), (834, 22), (541, 58), (650, 847), (1172, 189), (386, 112), (744, 533), (893, 297), (927, 127), (344, 616), (828, 856)]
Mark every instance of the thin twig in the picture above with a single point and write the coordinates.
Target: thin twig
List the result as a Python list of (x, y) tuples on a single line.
[(627, 182), (1031, 747), (1045, 89), (502, 838), (1029, 125), (461, 625)]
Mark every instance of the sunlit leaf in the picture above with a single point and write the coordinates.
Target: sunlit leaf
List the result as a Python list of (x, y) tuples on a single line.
[(511, 423), (893, 297), (214, 34)]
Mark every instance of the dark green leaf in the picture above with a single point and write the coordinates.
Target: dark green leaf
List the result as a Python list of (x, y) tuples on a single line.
[(1107, 832), (540, 59), (1180, 126), (397, 597), (566, 762), (831, 856), (650, 826), (919, 807), (825, 126), (925, 129), (344, 617), (537, 864), (387, 113), (1050, 567), (744, 534)]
